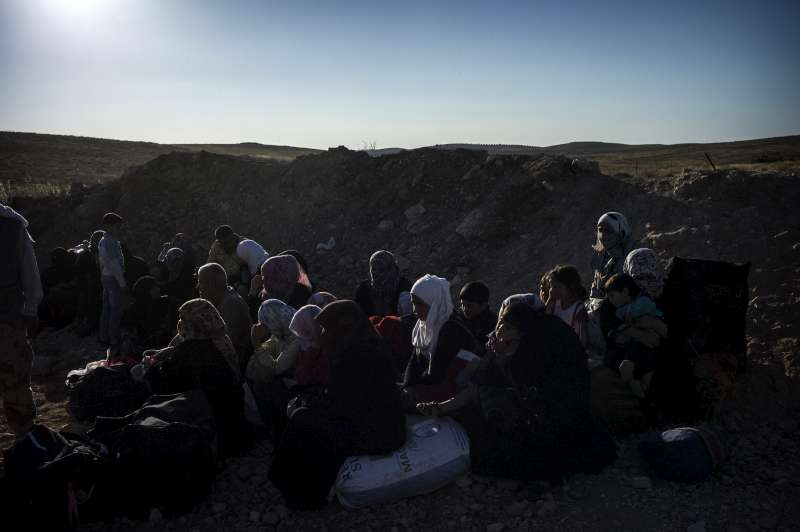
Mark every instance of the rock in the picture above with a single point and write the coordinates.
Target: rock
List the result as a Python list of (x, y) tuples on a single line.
[(495, 527), (475, 171), (155, 516), (244, 472), (464, 482), (414, 212), (642, 483), (402, 262), (508, 485), (271, 518), (697, 527), (386, 225), (548, 507), (219, 507), (516, 508), (472, 225), (255, 516), (788, 425), (283, 512)]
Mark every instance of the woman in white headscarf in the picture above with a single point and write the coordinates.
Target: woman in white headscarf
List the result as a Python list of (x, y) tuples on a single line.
[(614, 242), (252, 254), (438, 339)]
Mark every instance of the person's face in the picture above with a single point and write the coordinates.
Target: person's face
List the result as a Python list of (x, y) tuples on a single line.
[(471, 309), (559, 292), (607, 236), (618, 299), (507, 333), (207, 288), (420, 308)]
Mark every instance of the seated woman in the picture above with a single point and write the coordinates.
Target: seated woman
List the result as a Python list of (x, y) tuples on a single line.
[(527, 407), (475, 311), (269, 371), (311, 367), (281, 278), (359, 413), (566, 299), (379, 295), (151, 315), (199, 358), (179, 283), (639, 335), (438, 337), (614, 242)]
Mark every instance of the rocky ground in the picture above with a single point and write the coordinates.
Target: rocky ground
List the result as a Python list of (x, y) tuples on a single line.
[(466, 215)]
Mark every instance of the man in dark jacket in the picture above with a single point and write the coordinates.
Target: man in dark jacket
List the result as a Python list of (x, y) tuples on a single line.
[(20, 295)]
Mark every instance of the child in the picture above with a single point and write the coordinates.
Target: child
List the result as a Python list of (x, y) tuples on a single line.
[(639, 334), (112, 277), (475, 312)]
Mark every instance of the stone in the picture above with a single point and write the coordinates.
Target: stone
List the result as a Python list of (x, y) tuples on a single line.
[(271, 518), (516, 508), (155, 516), (402, 262), (244, 472), (495, 527), (549, 507), (464, 482), (642, 483), (472, 225), (386, 225), (283, 512), (255, 516), (697, 527), (768, 522), (508, 485), (475, 171), (414, 212), (788, 425), (219, 507)]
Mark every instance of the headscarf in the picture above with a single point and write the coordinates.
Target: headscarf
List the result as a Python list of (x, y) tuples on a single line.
[(276, 316), (645, 267), (200, 320), (321, 299), (280, 274), (253, 254), (435, 291), (305, 327), (174, 261), (475, 292), (304, 279), (384, 276), (346, 325), (532, 300), (621, 234)]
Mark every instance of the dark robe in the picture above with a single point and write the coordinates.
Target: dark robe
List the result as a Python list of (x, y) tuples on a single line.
[(198, 364), (534, 417), (360, 413), (364, 296), (481, 327)]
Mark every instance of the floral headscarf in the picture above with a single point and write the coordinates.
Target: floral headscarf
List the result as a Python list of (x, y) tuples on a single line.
[(532, 300), (276, 316), (280, 274), (305, 327), (621, 233), (645, 267), (435, 291), (200, 320), (321, 299)]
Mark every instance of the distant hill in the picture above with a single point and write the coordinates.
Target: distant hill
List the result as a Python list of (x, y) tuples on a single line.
[(64, 159)]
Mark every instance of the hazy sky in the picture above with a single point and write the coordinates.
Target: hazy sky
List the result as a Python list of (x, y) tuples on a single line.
[(405, 74)]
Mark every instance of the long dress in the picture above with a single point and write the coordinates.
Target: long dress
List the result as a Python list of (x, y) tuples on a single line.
[(359, 413)]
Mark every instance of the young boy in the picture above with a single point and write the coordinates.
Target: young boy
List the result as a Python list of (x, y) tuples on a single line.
[(639, 334), (112, 272), (475, 312)]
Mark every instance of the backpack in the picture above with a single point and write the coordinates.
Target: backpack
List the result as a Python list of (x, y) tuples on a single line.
[(164, 454), (705, 305), (52, 480), (103, 391)]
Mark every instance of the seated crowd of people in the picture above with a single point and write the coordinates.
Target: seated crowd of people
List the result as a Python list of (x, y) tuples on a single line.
[(331, 377)]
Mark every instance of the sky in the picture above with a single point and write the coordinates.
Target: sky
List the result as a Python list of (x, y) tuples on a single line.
[(401, 74)]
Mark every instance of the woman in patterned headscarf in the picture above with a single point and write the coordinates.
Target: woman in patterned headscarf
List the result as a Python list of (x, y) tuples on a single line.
[(283, 278), (614, 242), (645, 267), (379, 295), (199, 320)]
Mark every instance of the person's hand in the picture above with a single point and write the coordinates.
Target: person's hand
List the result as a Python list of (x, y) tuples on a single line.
[(258, 333), (432, 409), (256, 283)]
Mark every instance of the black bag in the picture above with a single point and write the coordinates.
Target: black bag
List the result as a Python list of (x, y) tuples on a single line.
[(163, 455), (104, 391), (52, 480), (705, 305)]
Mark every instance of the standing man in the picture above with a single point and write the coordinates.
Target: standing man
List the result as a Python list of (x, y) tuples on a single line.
[(112, 277), (20, 295)]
